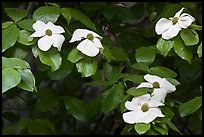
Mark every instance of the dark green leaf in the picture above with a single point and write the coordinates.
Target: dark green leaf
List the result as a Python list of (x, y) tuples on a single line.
[(171, 125), (51, 58), (183, 51), (190, 107), (167, 111), (16, 14), (112, 73), (93, 107), (6, 24), (145, 54), (199, 50), (134, 78), (76, 107), (126, 129), (23, 38), (107, 54), (189, 37), (112, 97), (78, 15), (14, 62), (10, 79), (75, 55), (140, 66), (162, 72), (142, 128), (26, 24), (160, 129), (118, 54), (173, 81), (27, 80), (47, 14), (138, 91), (164, 46), (67, 14), (9, 37), (87, 67)]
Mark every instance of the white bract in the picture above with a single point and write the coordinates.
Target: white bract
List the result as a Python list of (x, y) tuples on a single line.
[(160, 85), (143, 110), (91, 44), (50, 33), (170, 28)]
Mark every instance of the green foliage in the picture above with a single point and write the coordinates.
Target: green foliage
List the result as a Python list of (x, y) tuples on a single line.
[(142, 128), (16, 14)]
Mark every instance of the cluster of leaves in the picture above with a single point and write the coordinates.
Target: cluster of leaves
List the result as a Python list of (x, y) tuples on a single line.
[(71, 93)]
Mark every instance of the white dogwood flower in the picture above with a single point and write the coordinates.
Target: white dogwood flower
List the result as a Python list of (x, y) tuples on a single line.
[(170, 28), (143, 110), (160, 85), (50, 33), (91, 44)]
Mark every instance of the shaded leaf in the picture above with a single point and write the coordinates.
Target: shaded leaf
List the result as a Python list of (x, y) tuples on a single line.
[(199, 50), (75, 55), (16, 14), (164, 46), (26, 24), (14, 62), (189, 37), (23, 38), (139, 91), (148, 57), (6, 24), (162, 72)]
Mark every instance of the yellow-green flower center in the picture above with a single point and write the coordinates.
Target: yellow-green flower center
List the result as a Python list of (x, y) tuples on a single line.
[(90, 36), (175, 20), (156, 85), (145, 107), (48, 32)]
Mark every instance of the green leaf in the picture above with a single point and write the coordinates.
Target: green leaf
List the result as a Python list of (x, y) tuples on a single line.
[(14, 62), (64, 70), (142, 128), (171, 125), (87, 66), (27, 80), (26, 24), (190, 107), (138, 91), (118, 54), (51, 58), (47, 100), (183, 51), (112, 97), (112, 73), (140, 66), (107, 54), (67, 14), (164, 46), (162, 72), (199, 50), (160, 129), (76, 107), (148, 57), (75, 55), (10, 79), (9, 37), (173, 81), (134, 78), (78, 15), (167, 111), (93, 107), (40, 127), (47, 13), (23, 38), (189, 37), (16, 14), (7, 24), (126, 129)]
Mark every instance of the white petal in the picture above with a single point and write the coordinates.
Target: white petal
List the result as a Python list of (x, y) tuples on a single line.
[(162, 25), (142, 99), (159, 95), (55, 28), (45, 43), (88, 48), (145, 84), (185, 20), (152, 78), (58, 40), (38, 34), (167, 86), (171, 32), (97, 43), (150, 115), (131, 117), (179, 12), (132, 105), (39, 26)]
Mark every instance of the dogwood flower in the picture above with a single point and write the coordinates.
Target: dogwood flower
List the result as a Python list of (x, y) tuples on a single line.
[(50, 33), (169, 28), (90, 45), (160, 85), (143, 110)]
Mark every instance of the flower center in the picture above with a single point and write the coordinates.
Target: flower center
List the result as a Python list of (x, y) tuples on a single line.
[(175, 20), (90, 36), (156, 85), (48, 32), (145, 107)]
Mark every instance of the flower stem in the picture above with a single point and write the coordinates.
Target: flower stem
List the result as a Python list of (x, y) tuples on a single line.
[(197, 27)]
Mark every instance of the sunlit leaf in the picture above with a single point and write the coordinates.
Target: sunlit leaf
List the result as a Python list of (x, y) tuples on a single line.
[(16, 14)]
